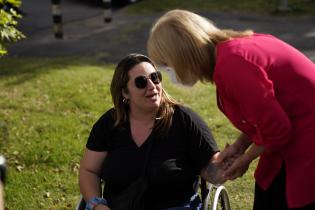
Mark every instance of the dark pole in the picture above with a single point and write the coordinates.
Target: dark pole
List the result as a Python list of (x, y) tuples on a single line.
[(57, 18), (107, 11)]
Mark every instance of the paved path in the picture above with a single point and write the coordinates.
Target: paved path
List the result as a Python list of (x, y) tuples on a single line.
[(85, 33)]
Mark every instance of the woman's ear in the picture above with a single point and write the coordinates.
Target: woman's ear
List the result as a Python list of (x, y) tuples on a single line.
[(124, 93)]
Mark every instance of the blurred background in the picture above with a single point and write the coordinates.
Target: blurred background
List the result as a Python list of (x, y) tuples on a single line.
[(86, 33)]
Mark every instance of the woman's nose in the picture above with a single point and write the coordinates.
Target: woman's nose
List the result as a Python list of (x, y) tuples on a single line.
[(150, 84)]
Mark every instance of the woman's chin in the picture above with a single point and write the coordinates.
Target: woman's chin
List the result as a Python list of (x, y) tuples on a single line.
[(154, 105)]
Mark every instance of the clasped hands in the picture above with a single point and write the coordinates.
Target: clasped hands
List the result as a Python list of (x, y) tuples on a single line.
[(232, 163)]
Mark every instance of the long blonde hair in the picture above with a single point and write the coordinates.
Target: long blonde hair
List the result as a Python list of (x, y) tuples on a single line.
[(187, 41), (119, 83)]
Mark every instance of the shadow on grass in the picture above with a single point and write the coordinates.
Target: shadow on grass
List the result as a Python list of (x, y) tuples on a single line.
[(21, 70)]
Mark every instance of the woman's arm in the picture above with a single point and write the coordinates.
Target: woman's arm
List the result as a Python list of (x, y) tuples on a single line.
[(234, 150), (242, 143), (212, 172), (240, 165), (89, 175)]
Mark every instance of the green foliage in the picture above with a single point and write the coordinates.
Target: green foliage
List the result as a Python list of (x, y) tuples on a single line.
[(47, 108), (15, 3), (8, 23)]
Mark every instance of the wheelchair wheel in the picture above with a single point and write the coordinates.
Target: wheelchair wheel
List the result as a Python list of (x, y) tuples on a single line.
[(221, 199)]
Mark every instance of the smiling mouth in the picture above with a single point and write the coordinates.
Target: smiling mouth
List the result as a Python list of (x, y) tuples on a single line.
[(152, 95)]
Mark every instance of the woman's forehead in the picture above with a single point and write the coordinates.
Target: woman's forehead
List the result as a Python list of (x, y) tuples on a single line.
[(143, 68)]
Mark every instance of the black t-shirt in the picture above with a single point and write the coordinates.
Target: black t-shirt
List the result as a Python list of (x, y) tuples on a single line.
[(175, 160)]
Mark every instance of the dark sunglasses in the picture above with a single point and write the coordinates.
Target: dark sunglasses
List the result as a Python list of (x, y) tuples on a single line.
[(142, 81)]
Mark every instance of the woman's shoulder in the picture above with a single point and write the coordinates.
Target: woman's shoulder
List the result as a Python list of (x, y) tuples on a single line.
[(106, 118), (186, 113), (191, 121), (109, 114), (182, 109)]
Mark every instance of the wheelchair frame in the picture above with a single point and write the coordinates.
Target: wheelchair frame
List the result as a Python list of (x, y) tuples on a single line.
[(214, 197)]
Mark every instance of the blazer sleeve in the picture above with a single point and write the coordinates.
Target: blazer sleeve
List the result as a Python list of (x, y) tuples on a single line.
[(252, 95)]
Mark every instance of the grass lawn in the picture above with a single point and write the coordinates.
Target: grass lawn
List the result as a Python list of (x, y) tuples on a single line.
[(47, 108)]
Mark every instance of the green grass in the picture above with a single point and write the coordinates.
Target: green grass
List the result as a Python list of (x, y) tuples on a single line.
[(298, 7), (47, 108)]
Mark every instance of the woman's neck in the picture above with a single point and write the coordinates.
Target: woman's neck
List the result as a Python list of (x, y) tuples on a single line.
[(143, 117)]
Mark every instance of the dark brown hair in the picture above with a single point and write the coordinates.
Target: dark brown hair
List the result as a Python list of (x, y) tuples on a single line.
[(119, 84)]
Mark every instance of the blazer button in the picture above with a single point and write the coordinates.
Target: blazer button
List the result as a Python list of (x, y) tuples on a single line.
[(243, 121)]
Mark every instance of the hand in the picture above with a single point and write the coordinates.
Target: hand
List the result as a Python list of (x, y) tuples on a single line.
[(101, 207), (229, 161), (227, 156), (236, 167), (213, 172)]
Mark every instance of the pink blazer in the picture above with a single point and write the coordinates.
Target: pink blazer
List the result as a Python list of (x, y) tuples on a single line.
[(266, 88)]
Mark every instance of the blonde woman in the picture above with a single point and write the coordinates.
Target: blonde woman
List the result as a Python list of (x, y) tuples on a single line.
[(265, 87)]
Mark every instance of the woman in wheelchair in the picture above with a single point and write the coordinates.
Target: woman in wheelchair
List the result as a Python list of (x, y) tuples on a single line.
[(149, 135)]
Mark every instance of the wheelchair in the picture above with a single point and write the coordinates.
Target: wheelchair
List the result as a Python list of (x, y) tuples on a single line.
[(213, 197)]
